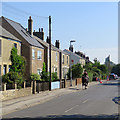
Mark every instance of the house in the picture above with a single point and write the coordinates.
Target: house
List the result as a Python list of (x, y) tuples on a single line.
[(7, 42), (75, 59), (31, 49), (59, 58), (83, 56)]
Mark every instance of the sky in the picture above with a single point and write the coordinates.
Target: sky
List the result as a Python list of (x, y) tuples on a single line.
[(93, 25)]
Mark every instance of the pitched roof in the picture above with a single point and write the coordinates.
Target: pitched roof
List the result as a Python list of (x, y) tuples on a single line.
[(47, 45), (21, 30), (69, 52), (6, 34)]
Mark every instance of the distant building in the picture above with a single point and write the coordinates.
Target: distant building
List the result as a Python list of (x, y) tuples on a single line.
[(75, 58), (83, 56), (108, 62)]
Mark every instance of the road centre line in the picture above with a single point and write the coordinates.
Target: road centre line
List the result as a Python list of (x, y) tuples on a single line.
[(71, 108), (85, 101)]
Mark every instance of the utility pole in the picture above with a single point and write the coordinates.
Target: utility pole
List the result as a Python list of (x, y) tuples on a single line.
[(50, 52)]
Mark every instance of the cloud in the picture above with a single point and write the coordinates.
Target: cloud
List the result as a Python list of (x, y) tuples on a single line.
[(102, 53)]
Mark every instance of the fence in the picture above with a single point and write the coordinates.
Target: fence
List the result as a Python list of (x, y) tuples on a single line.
[(8, 93), (33, 87)]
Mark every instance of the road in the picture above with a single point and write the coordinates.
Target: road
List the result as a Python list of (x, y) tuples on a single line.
[(97, 102)]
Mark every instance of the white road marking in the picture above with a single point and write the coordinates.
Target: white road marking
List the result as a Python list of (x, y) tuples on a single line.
[(85, 101), (71, 108)]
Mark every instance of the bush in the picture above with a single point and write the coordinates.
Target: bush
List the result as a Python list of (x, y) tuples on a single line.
[(54, 76), (77, 71), (44, 76), (90, 74), (34, 76), (13, 77)]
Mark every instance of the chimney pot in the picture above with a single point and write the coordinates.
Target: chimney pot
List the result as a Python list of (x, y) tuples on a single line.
[(41, 29), (30, 26)]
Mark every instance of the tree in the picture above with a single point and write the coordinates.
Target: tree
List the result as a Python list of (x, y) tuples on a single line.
[(54, 76), (34, 76), (116, 69), (44, 74), (18, 62), (17, 69), (77, 71)]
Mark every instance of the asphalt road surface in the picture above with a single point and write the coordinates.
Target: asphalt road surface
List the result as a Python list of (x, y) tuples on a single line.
[(97, 102)]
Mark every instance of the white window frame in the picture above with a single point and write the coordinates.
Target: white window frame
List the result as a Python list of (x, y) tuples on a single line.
[(39, 55), (56, 56), (39, 71), (67, 59), (33, 54)]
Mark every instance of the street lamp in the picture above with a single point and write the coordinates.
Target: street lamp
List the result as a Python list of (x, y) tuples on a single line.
[(71, 64)]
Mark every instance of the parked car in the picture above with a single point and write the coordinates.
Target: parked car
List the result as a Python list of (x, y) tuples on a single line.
[(113, 76)]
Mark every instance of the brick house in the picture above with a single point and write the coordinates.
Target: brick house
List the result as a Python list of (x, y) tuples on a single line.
[(31, 49), (59, 59), (7, 42)]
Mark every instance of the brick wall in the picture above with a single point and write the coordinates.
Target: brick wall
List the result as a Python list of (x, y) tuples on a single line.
[(15, 93)]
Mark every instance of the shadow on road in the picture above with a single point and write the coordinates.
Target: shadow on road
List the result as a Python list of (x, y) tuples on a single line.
[(70, 117)]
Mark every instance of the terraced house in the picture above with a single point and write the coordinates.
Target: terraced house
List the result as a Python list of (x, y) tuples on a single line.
[(31, 49), (7, 42), (59, 58)]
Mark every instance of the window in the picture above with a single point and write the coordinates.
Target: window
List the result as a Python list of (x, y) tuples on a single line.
[(9, 67), (4, 69), (33, 54), (67, 59), (63, 59), (56, 56), (39, 71), (15, 45), (39, 55), (56, 69), (63, 72), (0, 48)]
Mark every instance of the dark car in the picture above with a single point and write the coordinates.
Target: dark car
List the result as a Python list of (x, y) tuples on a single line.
[(112, 76)]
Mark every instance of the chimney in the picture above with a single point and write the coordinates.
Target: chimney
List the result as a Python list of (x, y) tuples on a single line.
[(71, 48), (30, 26), (57, 44), (47, 40), (39, 34)]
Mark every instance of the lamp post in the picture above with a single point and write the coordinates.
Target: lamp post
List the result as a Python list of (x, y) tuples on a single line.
[(71, 64)]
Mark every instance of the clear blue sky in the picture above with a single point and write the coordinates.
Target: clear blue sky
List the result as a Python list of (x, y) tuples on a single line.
[(94, 25)]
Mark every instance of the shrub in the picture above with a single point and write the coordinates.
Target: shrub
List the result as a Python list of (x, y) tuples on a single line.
[(77, 71), (44, 74), (54, 76), (90, 74), (34, 76)]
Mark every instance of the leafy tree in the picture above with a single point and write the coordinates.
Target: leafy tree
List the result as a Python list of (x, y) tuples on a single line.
[(77, 71), (34, 76), (116, 69), (18, 62), (17, 69), (44, 74), (54, 76)]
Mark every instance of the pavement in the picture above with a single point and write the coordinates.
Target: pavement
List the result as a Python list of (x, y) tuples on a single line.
[(29, 101)]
